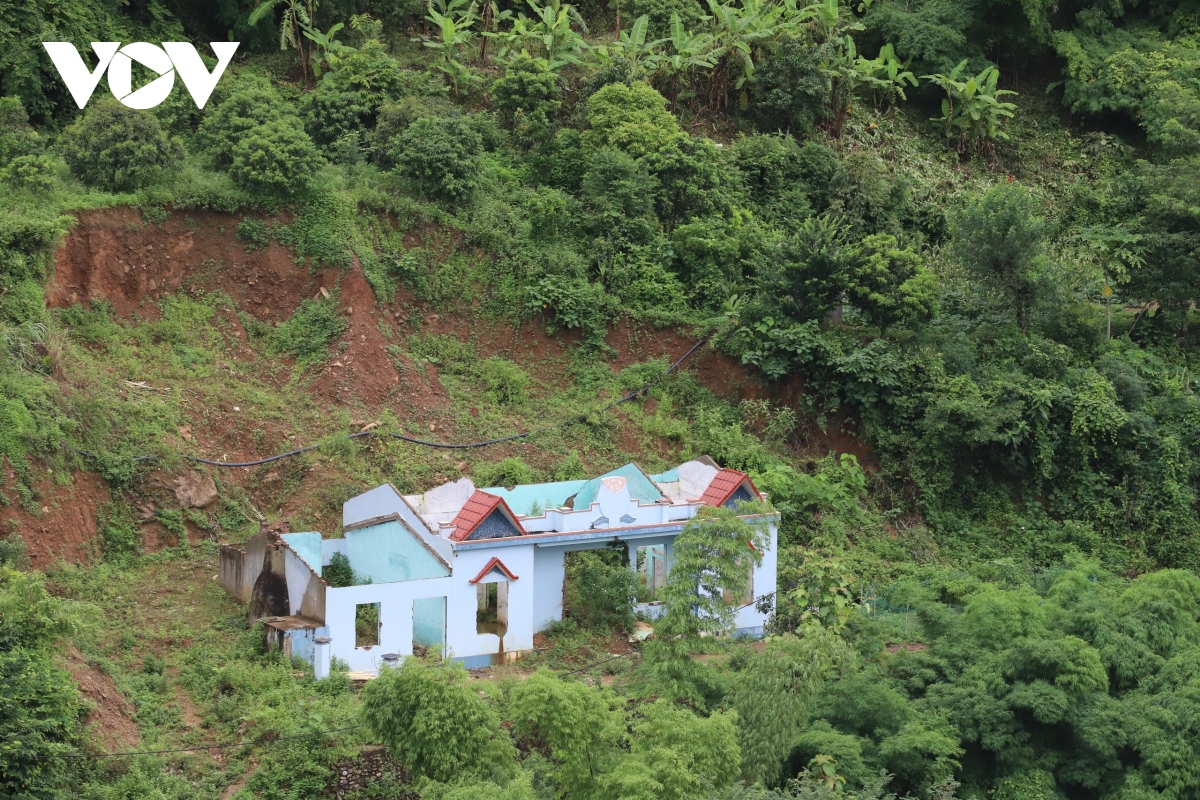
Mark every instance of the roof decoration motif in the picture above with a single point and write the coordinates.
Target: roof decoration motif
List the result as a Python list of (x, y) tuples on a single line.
[(641, 488), (494, 566)]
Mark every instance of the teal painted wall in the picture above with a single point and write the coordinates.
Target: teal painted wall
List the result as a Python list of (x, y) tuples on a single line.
[(307, 545), (389, 552), (640, 487), (429, 621)]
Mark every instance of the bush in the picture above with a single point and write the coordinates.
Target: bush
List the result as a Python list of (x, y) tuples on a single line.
[(394, 118), (332, 113), (275, 158), (512, 471), (441, 156), (242, 111), (506, 382), (525, 95), (632, 118), (120, 536), (308, 334), (117, 148), (17, 136), (600, 588), (789, 89), (255, 233), (998, 238)]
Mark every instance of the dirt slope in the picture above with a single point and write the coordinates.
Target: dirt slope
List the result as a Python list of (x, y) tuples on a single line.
[(112, 254)]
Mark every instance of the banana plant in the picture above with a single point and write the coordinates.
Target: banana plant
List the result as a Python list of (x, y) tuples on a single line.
[(452, 36), (690, 52), (886, 76), (849, 73), (325, 43), (972, 110), (548, 34), (632, 46), (739, 32), (297, 17)]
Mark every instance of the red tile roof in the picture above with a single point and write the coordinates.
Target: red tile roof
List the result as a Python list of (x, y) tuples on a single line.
[(494, 563), (723, 485), (477, 508)]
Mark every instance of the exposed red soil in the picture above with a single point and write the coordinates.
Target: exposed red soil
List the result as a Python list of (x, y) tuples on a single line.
[(111, 717), (112, 254), (63, 526)]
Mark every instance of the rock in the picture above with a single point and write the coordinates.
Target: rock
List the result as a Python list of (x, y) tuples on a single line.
[(186, 432), (195, 490)]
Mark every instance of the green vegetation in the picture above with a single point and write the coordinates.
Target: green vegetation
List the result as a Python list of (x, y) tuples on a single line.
[(883, 210)]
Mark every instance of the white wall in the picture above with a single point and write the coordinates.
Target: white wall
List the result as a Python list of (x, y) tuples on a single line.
[(765, 576), (395, 612)]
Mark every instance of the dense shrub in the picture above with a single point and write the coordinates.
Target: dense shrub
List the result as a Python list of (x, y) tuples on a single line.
[(441, 157), (395, 117), (526, 95), (790, 90), (506, 382), (117, 148), (34, 173), (511, 471), (276, 157), (245, 109), (17, 136), (631, 118)]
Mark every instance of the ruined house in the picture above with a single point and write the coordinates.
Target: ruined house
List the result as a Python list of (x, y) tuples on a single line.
[(473, 572)]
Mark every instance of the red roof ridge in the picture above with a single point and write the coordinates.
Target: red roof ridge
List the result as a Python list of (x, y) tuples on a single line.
[(495, 562), (724, 484), (477, 508)]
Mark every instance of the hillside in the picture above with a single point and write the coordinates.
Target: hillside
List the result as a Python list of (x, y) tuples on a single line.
[(911, 285)]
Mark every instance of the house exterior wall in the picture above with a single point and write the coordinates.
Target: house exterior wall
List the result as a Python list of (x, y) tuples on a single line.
[(749, 622), (462, 641), (549, 577), (389, 552)]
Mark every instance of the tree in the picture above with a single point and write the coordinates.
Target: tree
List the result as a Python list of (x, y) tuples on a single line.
[(998, 238), (441, 157), (435, 725), (577, 726), (631, 118), (773, 695), (888, 284), (686, 754), (527, 96), (277, 158), (117, 148), (295, 23), (805, 274)]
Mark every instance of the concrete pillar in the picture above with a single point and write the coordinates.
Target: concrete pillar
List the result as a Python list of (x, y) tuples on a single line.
[(669, 554), (321, 656)]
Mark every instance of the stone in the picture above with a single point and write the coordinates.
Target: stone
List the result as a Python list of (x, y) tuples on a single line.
[(195, 490)]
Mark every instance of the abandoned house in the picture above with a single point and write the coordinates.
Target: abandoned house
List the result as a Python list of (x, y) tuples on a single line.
[(473, 572)]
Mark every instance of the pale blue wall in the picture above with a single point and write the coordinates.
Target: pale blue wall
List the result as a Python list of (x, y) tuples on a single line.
[(389, 552), (520, 499), (306, 545), (429, 621)]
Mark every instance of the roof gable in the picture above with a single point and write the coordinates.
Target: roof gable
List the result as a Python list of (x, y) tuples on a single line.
[(494, 567), (728, 486), (484, 516), (641, 488)]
